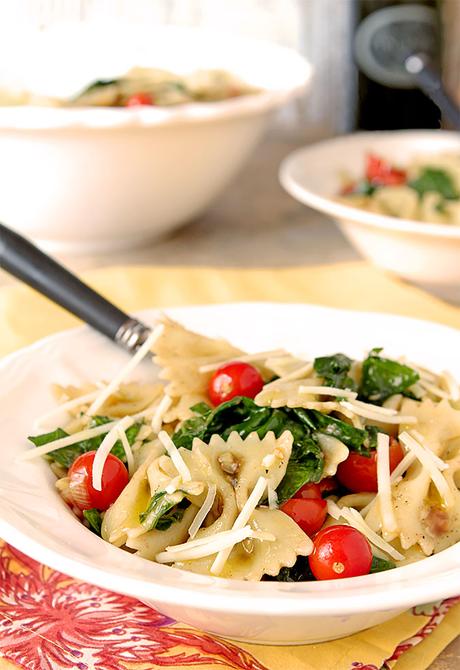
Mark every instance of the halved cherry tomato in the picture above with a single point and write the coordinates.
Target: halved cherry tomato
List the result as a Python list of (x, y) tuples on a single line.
[(234, 379), (381, 173), (309, 491), (308, 513), (114, 479), (139, 100), (359, 473), (338, 552), (327, 485)]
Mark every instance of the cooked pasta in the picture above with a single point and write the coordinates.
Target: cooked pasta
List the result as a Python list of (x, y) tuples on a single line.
[(240, 466)]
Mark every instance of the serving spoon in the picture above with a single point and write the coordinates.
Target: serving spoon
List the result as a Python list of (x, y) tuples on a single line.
[(22, 259)]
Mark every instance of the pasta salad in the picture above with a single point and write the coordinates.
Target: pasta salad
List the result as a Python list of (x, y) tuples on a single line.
[(142, 86), (427, 189), (261, 466)]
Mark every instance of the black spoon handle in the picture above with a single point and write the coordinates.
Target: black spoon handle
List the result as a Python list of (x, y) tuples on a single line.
[(25, 261), (429, 80)]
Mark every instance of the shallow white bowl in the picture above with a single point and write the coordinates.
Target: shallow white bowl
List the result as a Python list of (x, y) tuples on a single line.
[(98, 179), (35, 519), (424, 252)]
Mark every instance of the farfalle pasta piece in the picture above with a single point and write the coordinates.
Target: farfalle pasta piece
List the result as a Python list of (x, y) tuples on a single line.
[(149, 544), (128, 399), (281, 366), (251, 559), (335, 452), (180, 353), (180, 407), (288, 394), (245, 460)]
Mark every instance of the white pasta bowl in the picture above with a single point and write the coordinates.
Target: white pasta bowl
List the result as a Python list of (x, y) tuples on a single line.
[(423, 252), (99, 179), (35, 519)]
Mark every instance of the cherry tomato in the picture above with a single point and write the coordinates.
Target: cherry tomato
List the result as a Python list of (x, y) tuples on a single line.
[(309, 492), (308, 513), (327, 485), (139, 100), (380, 173), (359, 473), (234, 379), (114, 479), (338, 552)]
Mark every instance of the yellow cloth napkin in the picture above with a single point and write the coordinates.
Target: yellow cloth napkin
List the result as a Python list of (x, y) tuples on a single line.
[(25, 317)]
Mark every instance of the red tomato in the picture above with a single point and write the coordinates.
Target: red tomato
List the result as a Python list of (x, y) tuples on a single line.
[(234, 379), (359, 473), (308, 513), (114, 479), (327, 485), (309, 492), (140, 100), (381, 173), (340, 551)]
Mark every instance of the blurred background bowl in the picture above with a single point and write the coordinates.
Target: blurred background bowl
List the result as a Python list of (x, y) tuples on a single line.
[(99, 179), (428, 253)]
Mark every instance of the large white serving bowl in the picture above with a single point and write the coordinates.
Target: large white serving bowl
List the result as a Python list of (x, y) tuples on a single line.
[(35, 519), (99, 179), (423, 252)]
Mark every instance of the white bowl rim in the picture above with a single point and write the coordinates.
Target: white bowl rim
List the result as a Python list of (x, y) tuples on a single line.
[(432, 578), (347, 212)]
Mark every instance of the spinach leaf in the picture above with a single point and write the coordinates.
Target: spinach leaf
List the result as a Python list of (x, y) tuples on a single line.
[(93, 517), (162, 511), (99, 83), (356, 439), (382, 378), (300, 572), (433, 179), (380, 564), (67, 455), (334, 371), (305, 465)]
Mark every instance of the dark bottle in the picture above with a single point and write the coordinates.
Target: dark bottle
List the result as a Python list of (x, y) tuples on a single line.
[(386, 107)]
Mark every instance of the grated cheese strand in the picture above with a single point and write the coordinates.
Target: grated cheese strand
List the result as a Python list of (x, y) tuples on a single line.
[(272, 496), (328, 390), (119, 378), (240, 521), (301, 372), (65, 406), (175, 456), (435, 390), (203, 511), (385, 411), (429, 461), (355, 519), (387, 514), (105, 448), (157, 419), (128, 451), (451, 384), (375, 415), (206, 546), (246, 358), (67, 441)]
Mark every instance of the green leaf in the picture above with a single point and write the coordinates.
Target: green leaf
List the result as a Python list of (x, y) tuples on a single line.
[(382, 378), (67, 455), (93, 517), (433, 179), (334, 371), (300, 572), (380, 564), (163, 510), (356, 439)]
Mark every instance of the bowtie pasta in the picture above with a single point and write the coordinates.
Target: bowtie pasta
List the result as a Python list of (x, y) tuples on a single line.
[(262, 466)]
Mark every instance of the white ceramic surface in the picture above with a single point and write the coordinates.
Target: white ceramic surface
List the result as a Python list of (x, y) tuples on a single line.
[(98, 179), (34, 518), (424, 252)]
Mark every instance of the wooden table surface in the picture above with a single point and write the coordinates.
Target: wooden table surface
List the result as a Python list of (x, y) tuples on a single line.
[(253, 224)]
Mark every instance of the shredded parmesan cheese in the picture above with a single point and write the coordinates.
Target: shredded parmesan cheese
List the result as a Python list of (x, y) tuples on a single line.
[(240, 521), (65, 407), (203, 511), (375, 413), (435, 390), (105, 448), (328, 390), (205, 546), (246, 358), (301, 372), (451, 385), (66, 441), (127, 449), (140, 354), (387, 515), (163, 406), (268, 460), (175, 456), (432, 464), (355, 519), (272, 496)]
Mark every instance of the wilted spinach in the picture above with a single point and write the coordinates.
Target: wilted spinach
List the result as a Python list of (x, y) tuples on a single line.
[(163, 510), (382, 378), (334, 371), (93, 517)]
